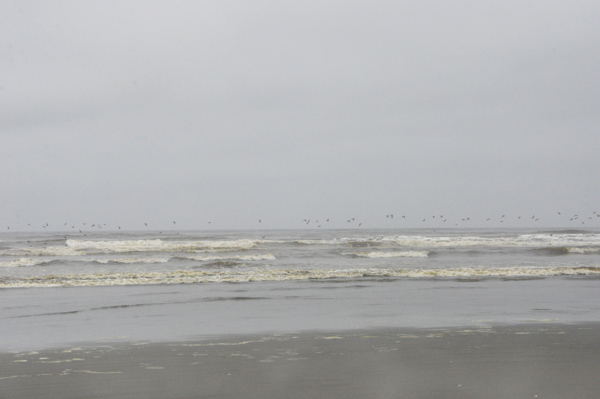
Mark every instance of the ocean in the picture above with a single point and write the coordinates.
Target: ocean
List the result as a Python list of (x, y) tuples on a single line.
[(60, 289)]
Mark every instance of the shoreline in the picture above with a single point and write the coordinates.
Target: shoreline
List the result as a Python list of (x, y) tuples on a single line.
[(549, 360)]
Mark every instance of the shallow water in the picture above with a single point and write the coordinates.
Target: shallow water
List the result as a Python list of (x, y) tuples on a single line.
[(114, 287)]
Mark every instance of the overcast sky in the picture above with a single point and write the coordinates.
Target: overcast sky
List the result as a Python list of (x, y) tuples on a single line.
[(126, 112)]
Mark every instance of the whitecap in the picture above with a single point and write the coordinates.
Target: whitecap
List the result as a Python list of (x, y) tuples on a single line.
[(232, 257), (126, 260), (403, 254), (24, 262), (240, 276)]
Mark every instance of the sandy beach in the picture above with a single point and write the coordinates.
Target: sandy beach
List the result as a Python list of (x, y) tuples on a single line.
[(516, 361)]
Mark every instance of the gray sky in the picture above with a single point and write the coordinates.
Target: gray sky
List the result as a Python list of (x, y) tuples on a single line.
[(125, 112)]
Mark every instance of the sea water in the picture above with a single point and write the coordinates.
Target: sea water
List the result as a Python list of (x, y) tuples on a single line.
[(59, 289)]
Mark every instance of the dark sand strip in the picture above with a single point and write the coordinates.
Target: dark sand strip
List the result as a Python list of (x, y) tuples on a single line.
[(524, 361)]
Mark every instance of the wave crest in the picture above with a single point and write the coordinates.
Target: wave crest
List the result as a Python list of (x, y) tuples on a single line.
[(523, 240), (24, 262), (403, 254), (241, 276), (158, 245), (231, 257)]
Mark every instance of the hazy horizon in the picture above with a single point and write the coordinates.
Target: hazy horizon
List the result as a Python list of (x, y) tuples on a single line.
[(134, 112)]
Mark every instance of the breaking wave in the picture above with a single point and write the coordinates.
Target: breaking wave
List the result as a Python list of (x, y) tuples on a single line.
[(83, 247), (583, 250), (219, 264), (241, 276), (105, 261), (231, 257), (24, 262), (557, 251), (523, 240), (404, 254), (158, 245)]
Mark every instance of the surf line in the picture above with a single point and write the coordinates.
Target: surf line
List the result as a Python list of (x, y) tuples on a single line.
[(232, 276)]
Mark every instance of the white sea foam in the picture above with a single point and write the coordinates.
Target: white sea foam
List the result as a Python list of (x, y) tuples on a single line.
[(84, 247), (24, 262), (403, 254), (165, 260), (582, 250), (524, 240), (159, 245), (104, 261), (232, 257), (126, 260), (239, 276), (43, 251)]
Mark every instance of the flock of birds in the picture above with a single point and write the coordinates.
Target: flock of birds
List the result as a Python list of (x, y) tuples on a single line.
[(353, 222), (442, 219)]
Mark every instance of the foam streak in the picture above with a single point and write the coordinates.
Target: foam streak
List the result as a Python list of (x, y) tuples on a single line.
[(186, 276)]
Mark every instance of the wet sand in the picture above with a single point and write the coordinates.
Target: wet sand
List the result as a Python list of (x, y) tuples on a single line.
[(518, 361)]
